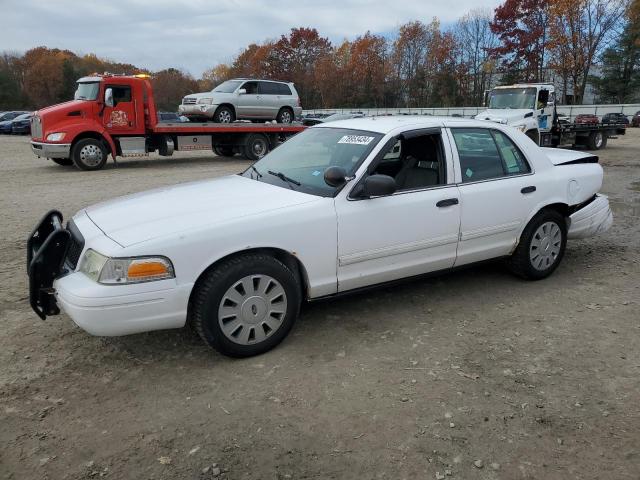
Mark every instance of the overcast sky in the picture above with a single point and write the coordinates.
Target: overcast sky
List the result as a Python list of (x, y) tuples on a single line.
[(196, 34)]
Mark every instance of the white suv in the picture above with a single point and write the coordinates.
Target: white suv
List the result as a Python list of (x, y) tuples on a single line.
[(247, 99)]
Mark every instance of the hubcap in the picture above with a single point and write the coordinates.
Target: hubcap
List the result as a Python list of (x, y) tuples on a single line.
[(252, 309), (545, 246), (598, 139), (286, 116), (259, 148), (91, 155), (224, 116)]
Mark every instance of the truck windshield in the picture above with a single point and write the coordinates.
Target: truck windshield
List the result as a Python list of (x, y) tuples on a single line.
[(299, 163), (87, 91), (512, 98), (227, 87)]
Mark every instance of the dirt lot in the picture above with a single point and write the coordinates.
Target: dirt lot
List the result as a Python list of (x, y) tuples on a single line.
[(535, 380)]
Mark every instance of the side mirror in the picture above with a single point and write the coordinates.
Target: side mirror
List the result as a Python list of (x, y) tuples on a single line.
[(242, 91), (378, 186), (335, 176), (108, 97)]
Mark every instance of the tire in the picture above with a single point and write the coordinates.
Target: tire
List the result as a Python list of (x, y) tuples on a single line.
[(228, 305), (533, 135), (256, 146), (546, 233), (597, 140), (65, 162), (89, 154), (285, 115), (224, 151), (224, 114)]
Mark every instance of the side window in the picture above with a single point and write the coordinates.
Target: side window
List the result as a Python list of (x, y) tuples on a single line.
[(251, 88), (283, 89), (121, 93), (478, 153), (415, 163), (514, 160), (268, 88)]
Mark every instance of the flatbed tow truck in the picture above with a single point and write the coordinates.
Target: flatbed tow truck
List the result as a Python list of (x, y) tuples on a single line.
[(531, 108), (116, 115)]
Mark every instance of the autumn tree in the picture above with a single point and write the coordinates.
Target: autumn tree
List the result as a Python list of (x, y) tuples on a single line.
[(408, 59), (214, 76), (169, 86), (522, 29), (367, 69)]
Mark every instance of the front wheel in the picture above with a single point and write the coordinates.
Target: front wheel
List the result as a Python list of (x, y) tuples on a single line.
[(246, 306), (223, 151), (224, 115), (89, 154), (541, 247)]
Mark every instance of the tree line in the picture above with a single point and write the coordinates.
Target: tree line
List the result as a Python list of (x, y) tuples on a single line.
[(421, 65)]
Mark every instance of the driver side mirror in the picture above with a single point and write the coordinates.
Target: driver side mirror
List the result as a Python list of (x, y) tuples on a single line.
[(242, 91), (108, 97), (378, 185)]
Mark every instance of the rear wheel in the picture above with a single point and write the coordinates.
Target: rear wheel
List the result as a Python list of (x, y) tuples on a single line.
[(65, 162), (89, 154), (224, 114), (256, 146), (224, 151), (285, 115), (597, 140), (541, 246), (246, 306)]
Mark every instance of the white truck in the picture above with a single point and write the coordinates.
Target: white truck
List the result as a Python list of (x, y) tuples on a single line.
[(531, 108)]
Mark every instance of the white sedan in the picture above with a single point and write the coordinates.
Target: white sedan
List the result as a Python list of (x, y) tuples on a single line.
[(339, 207)]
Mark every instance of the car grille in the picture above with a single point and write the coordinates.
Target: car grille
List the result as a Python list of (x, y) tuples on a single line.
[(36, 127), (189, 101), (75, 246)]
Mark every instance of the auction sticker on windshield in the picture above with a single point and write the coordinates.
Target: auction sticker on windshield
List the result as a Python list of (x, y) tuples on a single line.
[(356, 139)]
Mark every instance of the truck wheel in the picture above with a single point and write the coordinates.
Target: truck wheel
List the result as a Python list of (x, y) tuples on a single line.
[(224, 151), (89, 154), (285, 115), (65, 162), (224, 115), (246, 306), (597, 141), (541, 247), (256, 146), (533, 135)]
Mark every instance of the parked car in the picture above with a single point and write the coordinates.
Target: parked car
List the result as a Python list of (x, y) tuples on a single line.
[(635, 121), (6, 118), (21, 125), (587, 119), (171, 117), (338, 207), (245, 98), (331, 118), (617, 118)]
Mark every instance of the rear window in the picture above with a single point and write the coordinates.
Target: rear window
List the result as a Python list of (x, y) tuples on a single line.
[(272, 88), (283, 89)]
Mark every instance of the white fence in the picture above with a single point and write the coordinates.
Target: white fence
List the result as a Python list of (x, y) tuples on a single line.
[(629, 109)]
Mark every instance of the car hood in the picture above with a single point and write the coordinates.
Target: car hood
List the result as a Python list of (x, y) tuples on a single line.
[(164, 211), (216, 96), (507, 116)]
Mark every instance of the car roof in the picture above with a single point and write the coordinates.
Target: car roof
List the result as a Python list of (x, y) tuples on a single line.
[(261, 80), (388, 124)]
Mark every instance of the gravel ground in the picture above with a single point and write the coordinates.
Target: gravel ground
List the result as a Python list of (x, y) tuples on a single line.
[(475, 374)]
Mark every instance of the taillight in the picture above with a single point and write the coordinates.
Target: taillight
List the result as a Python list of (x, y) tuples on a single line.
[(299, 103)]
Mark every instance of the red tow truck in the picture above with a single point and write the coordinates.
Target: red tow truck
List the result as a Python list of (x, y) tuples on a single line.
[(116, 115)]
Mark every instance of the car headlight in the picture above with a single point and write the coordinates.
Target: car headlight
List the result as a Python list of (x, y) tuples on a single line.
[(206, 101), (55, 137), (121, 271)]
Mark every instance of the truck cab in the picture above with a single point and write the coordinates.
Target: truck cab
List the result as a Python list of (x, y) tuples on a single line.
[(529, 107)]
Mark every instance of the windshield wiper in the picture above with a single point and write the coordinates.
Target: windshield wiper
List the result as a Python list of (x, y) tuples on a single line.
[(258, 174), (284, 178)]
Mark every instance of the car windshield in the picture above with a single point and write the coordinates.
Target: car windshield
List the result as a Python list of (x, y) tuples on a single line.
[(300, 162), (512, 98), (228, 86), (87, 91)]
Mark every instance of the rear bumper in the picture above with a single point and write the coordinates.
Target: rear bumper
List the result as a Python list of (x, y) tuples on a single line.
[(592, 219), (51, 150)]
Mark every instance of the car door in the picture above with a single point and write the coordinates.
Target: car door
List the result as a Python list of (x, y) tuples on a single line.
[(248, 105), (121, 118), (411, 232), (497, 190)]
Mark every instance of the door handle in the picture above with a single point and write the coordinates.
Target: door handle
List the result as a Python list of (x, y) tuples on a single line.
[(529, 189), (447, 203)]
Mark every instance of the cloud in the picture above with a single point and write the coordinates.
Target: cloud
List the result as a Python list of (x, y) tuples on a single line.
[(197, 34)]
